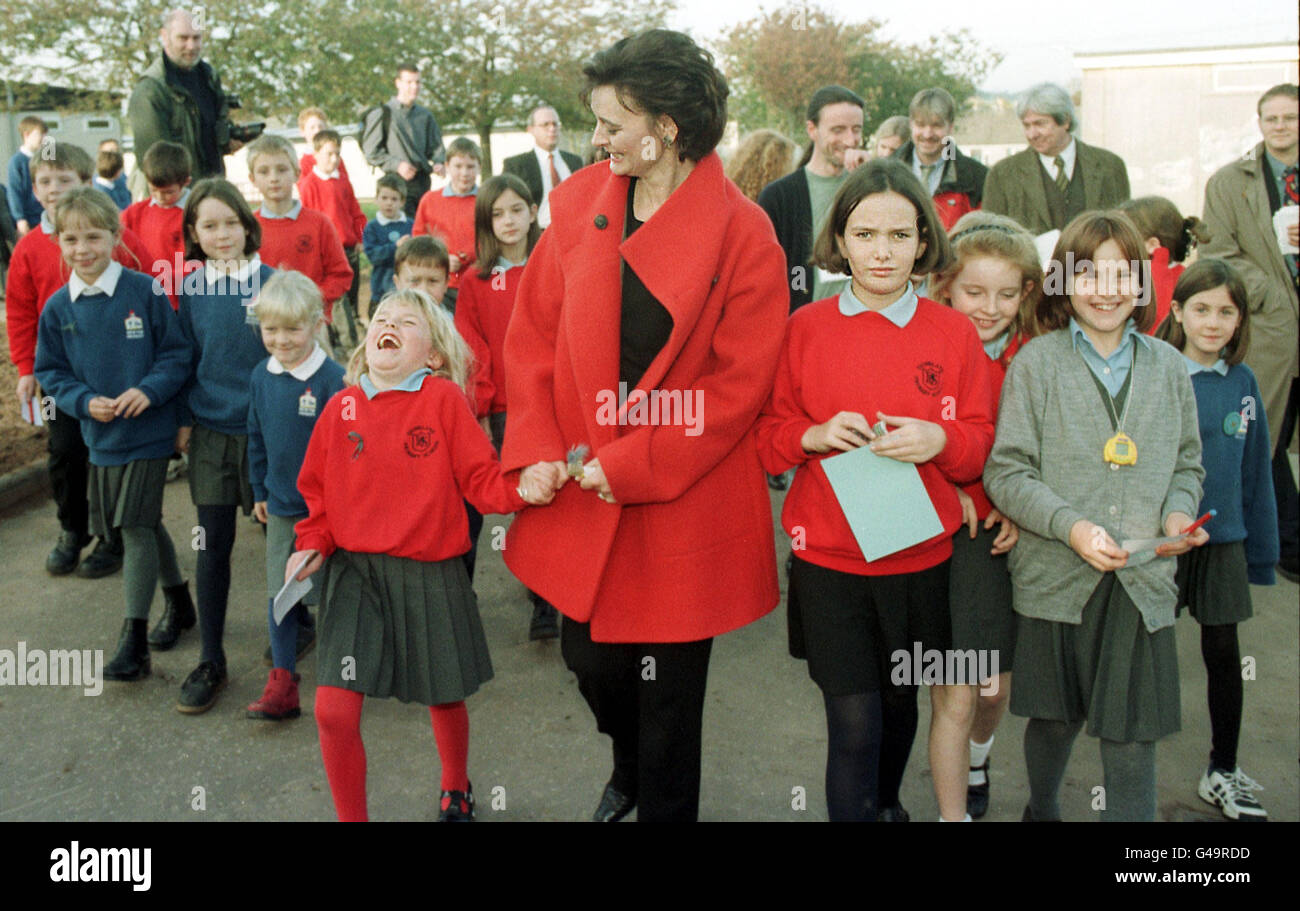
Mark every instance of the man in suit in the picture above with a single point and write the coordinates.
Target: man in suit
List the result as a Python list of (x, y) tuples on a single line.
[(1058, 176), (545, 166), (1241, 200)]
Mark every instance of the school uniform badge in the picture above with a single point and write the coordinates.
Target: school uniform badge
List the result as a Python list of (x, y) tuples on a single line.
[(250, 315), (307, 404), (1234, 425), (303, 243), (394, 236), (420, 442), (929, 377), (134, 326)]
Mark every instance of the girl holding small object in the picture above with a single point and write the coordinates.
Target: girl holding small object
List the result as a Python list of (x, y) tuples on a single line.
[(1210, 323), (996, 281), (928, 383), (1097, 442), (389, 463), (112, 354)]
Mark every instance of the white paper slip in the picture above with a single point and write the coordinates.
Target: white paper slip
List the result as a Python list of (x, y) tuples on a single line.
[(292, 592), (884, 501), (1282, 219), (1137, 545), (31, 412), (1046, 244)]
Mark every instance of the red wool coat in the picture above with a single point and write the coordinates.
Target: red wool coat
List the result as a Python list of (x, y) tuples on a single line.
[(688, 551)]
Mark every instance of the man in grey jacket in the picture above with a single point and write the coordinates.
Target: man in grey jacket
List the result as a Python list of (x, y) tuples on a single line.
[(402, 137)]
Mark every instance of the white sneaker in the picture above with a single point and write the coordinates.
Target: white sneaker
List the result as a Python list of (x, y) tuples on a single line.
[(1230, 792)]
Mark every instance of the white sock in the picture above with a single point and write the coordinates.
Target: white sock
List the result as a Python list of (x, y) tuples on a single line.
[(967, 819), (979, 752)]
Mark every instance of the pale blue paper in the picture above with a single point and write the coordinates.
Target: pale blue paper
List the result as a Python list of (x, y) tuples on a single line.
[(884, 500)]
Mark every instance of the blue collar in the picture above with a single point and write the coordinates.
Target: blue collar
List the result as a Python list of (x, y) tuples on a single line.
[(1130, 332), (1220, 367), (506, 265), (411, 384), (995, 347), (292, 214), (449, 192), (900, 312)]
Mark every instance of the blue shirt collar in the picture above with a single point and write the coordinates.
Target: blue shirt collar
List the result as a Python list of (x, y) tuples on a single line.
[(506, 265), (292, 214), (900, 312), (1220, 367), (449, 192), (1277, 167), (1130, 332), (995, 347), (411, 384), (47, 222)]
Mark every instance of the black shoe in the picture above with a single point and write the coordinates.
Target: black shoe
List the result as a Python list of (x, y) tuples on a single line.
[(977, 795), (104, 560), (613, 806), (200, 688), (178, 616), (545, 623), (460, 805), (63, 559), (132, 659), (306, 640), (1029, 816), (895, 813), (777, 481)]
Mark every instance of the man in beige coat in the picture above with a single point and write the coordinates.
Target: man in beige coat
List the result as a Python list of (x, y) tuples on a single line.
[(1240, 201), (1057, 177)]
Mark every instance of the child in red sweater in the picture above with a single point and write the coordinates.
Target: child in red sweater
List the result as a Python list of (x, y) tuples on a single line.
[(36, 271), (448, 214), (327, 189), (310, 122), (1169, 239), (295, 237), (879, 350), (159, 219), (388, 463), (996, 281)]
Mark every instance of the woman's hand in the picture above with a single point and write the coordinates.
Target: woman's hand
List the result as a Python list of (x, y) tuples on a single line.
[(915, 440), (847, 430), (538, 484), (1176, 524), (969, 516), (310, 563), (130, 403), (1097, 548), (102, 408), (1007, 537), (593, 478), (183, 439)]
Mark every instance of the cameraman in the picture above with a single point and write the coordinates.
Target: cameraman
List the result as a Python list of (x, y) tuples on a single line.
[(179, 99)]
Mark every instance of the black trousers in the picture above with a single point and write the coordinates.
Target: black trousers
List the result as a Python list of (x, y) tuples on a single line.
[(649, 698), (415, 189), (1284, 483), (69, 466)]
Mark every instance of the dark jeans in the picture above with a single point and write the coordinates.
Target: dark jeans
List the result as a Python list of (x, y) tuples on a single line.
[(655, 723), (69, 466), (1284, 484), (415, 189)]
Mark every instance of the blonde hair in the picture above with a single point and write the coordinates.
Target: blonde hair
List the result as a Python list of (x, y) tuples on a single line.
[(982, 233), (762, 157), (90, 205), (270, 144), (292, 297), (457, 360)]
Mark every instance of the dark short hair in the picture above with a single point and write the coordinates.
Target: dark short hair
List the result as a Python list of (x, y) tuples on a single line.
[(1157, 217), (407, 68), (1205, 275), (488, 248), (662, 72), (108, 163), (166, 163), (1081, 239), (882, 175), (421, 250), (392, 182), (324, 136), (222, 190), (831, 94), (466, 147), (1281, 90)]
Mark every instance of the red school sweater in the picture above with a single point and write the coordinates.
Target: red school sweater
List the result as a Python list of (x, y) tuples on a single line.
[(310, 245), (388, 475), (934, 368), (482, 315), (335, 200), (1164, 277), (451, 220), (997, 375), (36, 271), (160, 228)]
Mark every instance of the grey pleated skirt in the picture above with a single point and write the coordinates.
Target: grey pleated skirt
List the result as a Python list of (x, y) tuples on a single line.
[(1107, 669), (127, 496), (980, 598), (219, 469), (391, 626), (1213, 584)]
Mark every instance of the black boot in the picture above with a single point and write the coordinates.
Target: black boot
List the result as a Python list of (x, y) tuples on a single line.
[(178, 617), (66, 554), (132, 659)]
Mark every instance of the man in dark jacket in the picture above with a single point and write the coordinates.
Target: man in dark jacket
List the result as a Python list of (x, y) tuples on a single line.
[(402, 137), (179, 99), (543, 167), (955, 181)]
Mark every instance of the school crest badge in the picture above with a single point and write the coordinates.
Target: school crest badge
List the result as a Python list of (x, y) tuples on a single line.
[(929, 377), (307, 404), (303, 243), (134, 326), (420, 442)]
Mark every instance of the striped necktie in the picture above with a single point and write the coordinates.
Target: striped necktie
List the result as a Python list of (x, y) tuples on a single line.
[(1062, 182)]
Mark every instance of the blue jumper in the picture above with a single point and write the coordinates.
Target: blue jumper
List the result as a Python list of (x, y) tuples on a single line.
[(380, 242)]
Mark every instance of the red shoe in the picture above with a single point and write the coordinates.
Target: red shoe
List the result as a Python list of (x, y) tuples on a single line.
[(279, 700)]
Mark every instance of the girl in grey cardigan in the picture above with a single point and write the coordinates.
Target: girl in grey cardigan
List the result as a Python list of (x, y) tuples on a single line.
[(1097, 442)]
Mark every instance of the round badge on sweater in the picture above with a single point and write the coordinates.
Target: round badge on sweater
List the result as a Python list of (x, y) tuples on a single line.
[(1231, 423)]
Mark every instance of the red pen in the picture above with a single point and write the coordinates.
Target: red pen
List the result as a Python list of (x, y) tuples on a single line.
[(1199, 522)]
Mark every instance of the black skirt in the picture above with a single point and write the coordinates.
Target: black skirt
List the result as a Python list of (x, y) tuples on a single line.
[(391, 626), (219, 469), (979, 596), (1213, 584), (127, 496)]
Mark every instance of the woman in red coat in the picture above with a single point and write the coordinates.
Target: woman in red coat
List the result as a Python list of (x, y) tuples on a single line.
[(646, 329)]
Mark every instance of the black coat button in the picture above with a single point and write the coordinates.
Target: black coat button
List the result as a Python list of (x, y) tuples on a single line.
[(601, 221)]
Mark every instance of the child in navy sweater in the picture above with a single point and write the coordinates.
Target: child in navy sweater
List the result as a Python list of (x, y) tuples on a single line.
[(288, 391), (1210, 323), (110, 351), (217, 315), (383, 233)]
